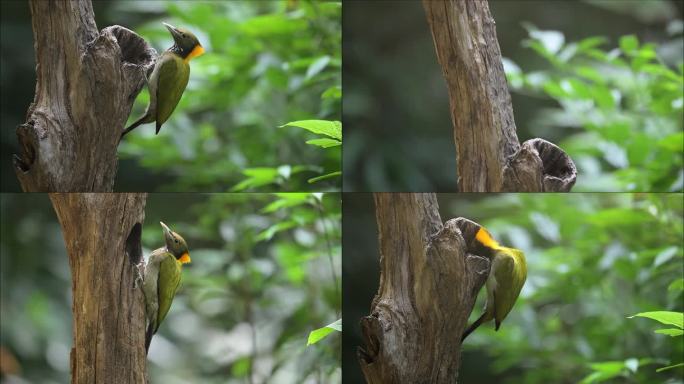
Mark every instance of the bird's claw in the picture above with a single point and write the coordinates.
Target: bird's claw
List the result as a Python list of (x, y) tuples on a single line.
[(139, 275)]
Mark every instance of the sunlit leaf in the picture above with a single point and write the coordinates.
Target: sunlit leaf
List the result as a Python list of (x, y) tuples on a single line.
[(670, 331), (317, 66), (323, 127), (665, 317), (320, 333), (677, 285), (324, 143), (629, 44)]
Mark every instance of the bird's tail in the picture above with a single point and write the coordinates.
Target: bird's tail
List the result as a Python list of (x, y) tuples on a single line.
[(473, 326), (148, 337)]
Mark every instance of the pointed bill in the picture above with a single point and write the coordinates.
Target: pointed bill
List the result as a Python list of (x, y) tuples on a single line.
[(165, 227), (173, 30)]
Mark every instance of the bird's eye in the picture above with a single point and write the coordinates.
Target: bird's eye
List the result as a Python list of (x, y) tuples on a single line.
[(176, 240)]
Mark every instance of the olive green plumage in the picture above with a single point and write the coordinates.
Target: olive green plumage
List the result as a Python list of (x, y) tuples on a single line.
[(507, 276), (162, 277), (169, 78)]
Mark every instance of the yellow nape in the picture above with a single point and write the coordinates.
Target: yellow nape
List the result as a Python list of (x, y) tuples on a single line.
[(486, 239), (197, 51), (185, 258)]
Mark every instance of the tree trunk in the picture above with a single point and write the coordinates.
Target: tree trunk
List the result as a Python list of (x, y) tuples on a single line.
[(489, 156), (86, 84), (102, 235), (429, 281)]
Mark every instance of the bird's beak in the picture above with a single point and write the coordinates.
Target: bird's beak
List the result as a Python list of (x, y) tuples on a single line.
[(167, 230), (173, 30)]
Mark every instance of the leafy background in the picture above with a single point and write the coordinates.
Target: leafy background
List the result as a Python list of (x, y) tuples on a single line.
[(265, 272), (267, 63), (593, 260), (600, 78)]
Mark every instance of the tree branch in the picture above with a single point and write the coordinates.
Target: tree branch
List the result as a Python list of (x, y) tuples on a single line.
[(86, 85), (429, 281), (464, 34), (102, 235)]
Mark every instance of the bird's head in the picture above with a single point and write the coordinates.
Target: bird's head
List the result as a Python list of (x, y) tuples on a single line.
[(185, 42), (176, 244)]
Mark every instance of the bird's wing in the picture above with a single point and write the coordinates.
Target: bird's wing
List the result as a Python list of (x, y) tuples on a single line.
[(505, 292), (169, 278), (173, 78)]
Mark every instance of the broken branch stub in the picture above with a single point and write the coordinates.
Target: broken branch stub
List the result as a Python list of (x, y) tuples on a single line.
[(539, 166), (428, 285)]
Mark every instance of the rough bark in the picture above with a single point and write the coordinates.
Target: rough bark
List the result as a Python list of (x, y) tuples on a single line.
[(86, 84), (102, 235), (489, 157), (429, 281)]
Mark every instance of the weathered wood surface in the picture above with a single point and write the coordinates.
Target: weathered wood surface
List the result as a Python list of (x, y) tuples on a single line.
[(102, 236), (489, 155), (86, 84), (428, 285)]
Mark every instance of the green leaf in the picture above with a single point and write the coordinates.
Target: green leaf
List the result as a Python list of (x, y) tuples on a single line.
[(287, 200), (590, 42), (669, 367), (240, 367), (629, 43), (324, 143), (272, 230), (604, 371), (323, 177), (603, 97), (334, 92), (632, 364), (677, 285), (257, 177), (665, 317), (670, 332), (591, 74), (673, 142), (317, 66), (320, 333), (322, 127), (552, 41), (665, 255)]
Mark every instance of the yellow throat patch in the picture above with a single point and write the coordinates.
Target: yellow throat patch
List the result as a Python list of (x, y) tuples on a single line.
[(486, 239), (185, 258), (197, 51)]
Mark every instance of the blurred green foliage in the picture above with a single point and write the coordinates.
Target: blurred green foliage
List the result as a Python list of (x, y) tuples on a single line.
[(620, 127), (266, 63), (330, 136), (623, 109), (265, 272), (593, 260)]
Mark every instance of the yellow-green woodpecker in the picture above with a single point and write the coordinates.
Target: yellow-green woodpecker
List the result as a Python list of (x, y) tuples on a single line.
[(162, 277), (506, 278), (169, 77)]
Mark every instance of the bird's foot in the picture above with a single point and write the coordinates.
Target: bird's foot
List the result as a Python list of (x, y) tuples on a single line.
[(139, 276)]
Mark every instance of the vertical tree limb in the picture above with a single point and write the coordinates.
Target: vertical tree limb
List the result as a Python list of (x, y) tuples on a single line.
[(489, 156), (86, 84), (428, 286), (102, 235)]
